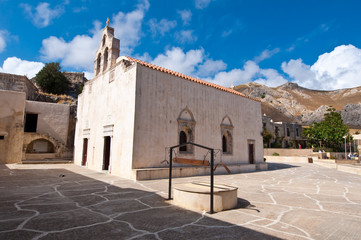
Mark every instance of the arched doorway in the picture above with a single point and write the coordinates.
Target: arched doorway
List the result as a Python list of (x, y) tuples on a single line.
[(40, 146)]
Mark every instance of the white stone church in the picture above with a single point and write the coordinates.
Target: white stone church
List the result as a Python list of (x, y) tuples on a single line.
[(131, 111)]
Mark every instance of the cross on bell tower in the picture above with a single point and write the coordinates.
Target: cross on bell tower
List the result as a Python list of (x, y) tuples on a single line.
[(107, 52)]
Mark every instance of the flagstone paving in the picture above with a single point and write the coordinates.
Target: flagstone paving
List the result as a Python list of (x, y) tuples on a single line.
[(290, 201)]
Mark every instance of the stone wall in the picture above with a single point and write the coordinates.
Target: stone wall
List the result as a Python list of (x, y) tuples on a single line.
[(288, 152), (53, 119), (18, 83), (160, 99), (12, 105), (75, 78)]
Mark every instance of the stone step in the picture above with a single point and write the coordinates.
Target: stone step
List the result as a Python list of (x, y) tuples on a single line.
[(48, 161)]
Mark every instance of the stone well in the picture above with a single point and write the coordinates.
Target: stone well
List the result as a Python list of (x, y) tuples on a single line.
[(196, 196)]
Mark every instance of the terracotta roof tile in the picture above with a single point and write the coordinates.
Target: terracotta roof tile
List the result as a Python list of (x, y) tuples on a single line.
[(177, 74)]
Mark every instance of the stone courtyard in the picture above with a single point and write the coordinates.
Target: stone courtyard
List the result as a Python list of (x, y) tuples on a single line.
[(290, 201)]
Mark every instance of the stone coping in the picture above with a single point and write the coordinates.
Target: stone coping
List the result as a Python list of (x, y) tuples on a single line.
[(203, 187)]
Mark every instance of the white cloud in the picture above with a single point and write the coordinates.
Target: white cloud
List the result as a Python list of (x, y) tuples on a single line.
[(266, 54), (176, 60), (197, 64), (270, 77), (211, 67), (18, 66), (128, 27), (42, 15), (88, 75), (236, 76), (341, 68), (3, 35), (79, 52), (161, 27), (186, 36), (301, 73), (186, 16), (201, 4)]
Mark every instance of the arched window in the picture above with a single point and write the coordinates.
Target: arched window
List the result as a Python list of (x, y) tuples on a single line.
[(224, 144), (103, 40), (226, 133), (105, 59), (186, 128), (98, 63), (182, 139)]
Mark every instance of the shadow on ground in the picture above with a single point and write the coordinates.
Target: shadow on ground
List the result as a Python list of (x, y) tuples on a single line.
[(61, 204), (278, 166)]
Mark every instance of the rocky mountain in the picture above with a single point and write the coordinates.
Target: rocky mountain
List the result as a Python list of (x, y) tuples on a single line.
[(292, 103)]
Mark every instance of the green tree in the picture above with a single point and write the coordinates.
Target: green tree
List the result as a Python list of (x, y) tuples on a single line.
[(51, 79), (267, 136), (329, 132)]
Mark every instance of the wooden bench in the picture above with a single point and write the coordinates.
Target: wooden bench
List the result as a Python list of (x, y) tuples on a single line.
[(196, 162), (191, 161)]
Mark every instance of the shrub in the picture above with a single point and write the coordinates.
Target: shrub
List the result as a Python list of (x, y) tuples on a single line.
[(275, 154), (51, 79)]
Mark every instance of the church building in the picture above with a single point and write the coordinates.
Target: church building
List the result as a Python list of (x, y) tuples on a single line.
[(132, 111)]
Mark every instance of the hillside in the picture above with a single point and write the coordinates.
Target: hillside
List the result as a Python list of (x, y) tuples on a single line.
[(292, 103)]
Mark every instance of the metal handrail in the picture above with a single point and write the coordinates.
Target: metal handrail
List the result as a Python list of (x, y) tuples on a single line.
[(211, 168)]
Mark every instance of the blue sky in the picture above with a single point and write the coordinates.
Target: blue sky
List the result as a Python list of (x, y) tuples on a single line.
[(313, 43)]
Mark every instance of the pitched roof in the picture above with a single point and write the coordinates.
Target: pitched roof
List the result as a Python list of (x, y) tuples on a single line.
[(177, 74)]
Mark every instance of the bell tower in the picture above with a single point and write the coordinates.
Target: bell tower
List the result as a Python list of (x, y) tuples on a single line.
[(108, 51)]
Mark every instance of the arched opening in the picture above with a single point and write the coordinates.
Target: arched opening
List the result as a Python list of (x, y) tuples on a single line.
[(98, 63), (186, 130), (40, 146), (226, 133), (224, 144), (105, 59), (182, 140), (103, 40)]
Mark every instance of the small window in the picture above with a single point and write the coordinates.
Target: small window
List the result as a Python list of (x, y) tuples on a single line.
[(226, 133), (105, 59), (297, 133), (2, 137), (182, 140), (288, 132), (224, 144), (227, 142), (186, 128), (98, 64), (31, 122)]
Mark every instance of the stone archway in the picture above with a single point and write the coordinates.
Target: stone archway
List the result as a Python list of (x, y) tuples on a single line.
[(39, 146)]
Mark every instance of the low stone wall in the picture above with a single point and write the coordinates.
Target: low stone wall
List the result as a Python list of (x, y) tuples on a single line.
[(326, 163), (355, 169), (284, 159), (287, 152), (159, 173)]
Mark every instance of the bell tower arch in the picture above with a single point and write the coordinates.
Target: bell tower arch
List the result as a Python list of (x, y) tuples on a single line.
[(108, 51)]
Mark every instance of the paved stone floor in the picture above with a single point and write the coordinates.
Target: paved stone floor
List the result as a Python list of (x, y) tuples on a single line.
[(298, 201)]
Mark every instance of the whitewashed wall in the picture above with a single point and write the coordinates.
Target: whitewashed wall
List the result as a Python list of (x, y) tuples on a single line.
[(53, 119), (160, 99)]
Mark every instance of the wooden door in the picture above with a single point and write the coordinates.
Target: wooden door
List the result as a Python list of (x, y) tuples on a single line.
[(251, 153), (106, 159), (85, 151)]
